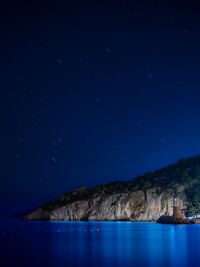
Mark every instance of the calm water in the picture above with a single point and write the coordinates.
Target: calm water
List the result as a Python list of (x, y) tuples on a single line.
[(116, 244)]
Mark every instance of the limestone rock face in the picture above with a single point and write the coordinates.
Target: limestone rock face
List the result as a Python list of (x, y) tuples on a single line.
[(134, 206)]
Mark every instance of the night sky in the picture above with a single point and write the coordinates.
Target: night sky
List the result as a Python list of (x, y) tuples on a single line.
[(95, 91)]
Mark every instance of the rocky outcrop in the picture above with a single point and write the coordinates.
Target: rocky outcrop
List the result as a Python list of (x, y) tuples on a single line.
[(140, 205), (178, 217), (161, 195), (178, 213)]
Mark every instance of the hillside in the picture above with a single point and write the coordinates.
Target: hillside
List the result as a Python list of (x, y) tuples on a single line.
[(145, 197)]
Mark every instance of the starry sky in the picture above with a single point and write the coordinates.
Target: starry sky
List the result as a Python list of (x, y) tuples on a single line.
[(95, 91)]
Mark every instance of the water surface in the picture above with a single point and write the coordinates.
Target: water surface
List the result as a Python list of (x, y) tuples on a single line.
[(116, 244)]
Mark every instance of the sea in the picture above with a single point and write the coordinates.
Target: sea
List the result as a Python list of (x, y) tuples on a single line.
[(24, 243)]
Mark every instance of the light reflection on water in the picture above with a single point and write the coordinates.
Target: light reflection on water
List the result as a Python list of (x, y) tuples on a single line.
[(116, 244)]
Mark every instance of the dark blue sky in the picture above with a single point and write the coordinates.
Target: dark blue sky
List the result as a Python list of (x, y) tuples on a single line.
[(95, 91)]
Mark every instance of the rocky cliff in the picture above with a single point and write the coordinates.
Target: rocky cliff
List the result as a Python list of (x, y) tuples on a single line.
[(145, 198), (136, 206)]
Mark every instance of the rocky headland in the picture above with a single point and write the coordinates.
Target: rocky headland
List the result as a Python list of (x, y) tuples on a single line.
[(146, 198)]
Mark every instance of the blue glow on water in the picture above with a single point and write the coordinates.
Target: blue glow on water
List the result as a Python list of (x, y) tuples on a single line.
[(116, 244)]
